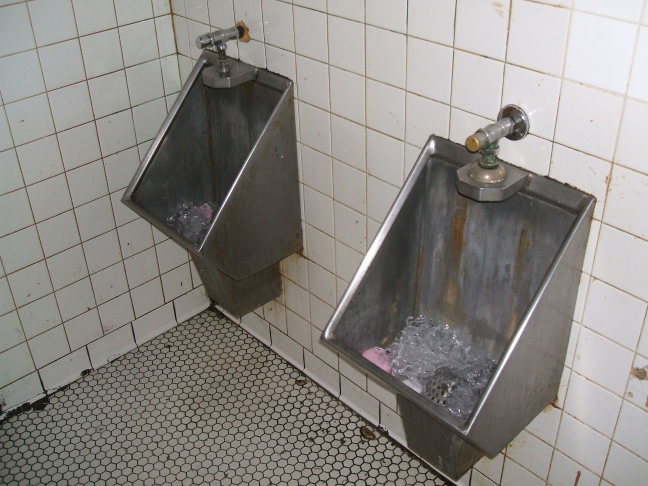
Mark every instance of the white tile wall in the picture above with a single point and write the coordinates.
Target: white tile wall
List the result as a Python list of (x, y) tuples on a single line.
[(66, 101), (390, 73), (405, 68)]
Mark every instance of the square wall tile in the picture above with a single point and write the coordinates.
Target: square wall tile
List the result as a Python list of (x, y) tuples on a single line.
[(388, 14), (351, 9), (629, 10), (596, 41), (11, 332), (313, 80), (39, 316), (109, 94), (75, 299), (62, 64), (65, 370), (58, 233), (176, 282), (49, 197), (153, 324), (315, 127), (346, 44), (429, 69), (141, 267), (116, 132), (165, 36), (30, 283), (135, 236), (538, 36), (52, 20), (120, 168), (10, 169), (482, 97), (631, 428), (622, 260), (628, 151), (147, 297), (6, 300), (278, 24), (583, 444), (317, 170), (15, 30), (348, 142), (318, 210), (611, 373), (30, 119), (129, 11), (67, 267), (49, 346), (432, 21), (147, 119), (40, 159), (321, 248), (139, 42), (94, 15), (349, 186), (385, 157), (95, 218), (311, 39), (15, 363), (380, 197), (144, 82), (386, 109), (102, 251), (70, 106), (350, 227), (638, 87), (592, 404), (481, 27), (117, 312), (87, 183), (102, 53), (20, 249), (79, 145), (624, 468), (566, 471), (111, 346), (15, 212), (5, 136), (588, 119), (382, 44), (514, 475), (626, 197), (20, 76), (583, 171), (530, 452), (348, 95), (614, 314), (424, 118)]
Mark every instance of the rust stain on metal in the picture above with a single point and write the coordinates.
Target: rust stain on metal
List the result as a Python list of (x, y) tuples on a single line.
[(457, 246), (640, 373)]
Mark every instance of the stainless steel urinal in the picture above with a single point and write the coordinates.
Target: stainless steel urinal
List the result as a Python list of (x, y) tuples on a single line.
[(502, 275), (231, 150)]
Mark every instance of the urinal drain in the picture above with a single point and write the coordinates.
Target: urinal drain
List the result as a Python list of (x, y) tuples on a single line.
[(441, 386)]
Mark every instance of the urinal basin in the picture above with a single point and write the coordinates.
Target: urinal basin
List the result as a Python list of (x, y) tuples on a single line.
[(503, 275), (234, 149)]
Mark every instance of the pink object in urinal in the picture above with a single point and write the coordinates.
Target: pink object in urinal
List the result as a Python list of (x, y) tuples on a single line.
[(379, 357)]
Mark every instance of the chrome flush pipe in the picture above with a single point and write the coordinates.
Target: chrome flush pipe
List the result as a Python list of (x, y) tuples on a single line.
[(218, 40), (489, 179)]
